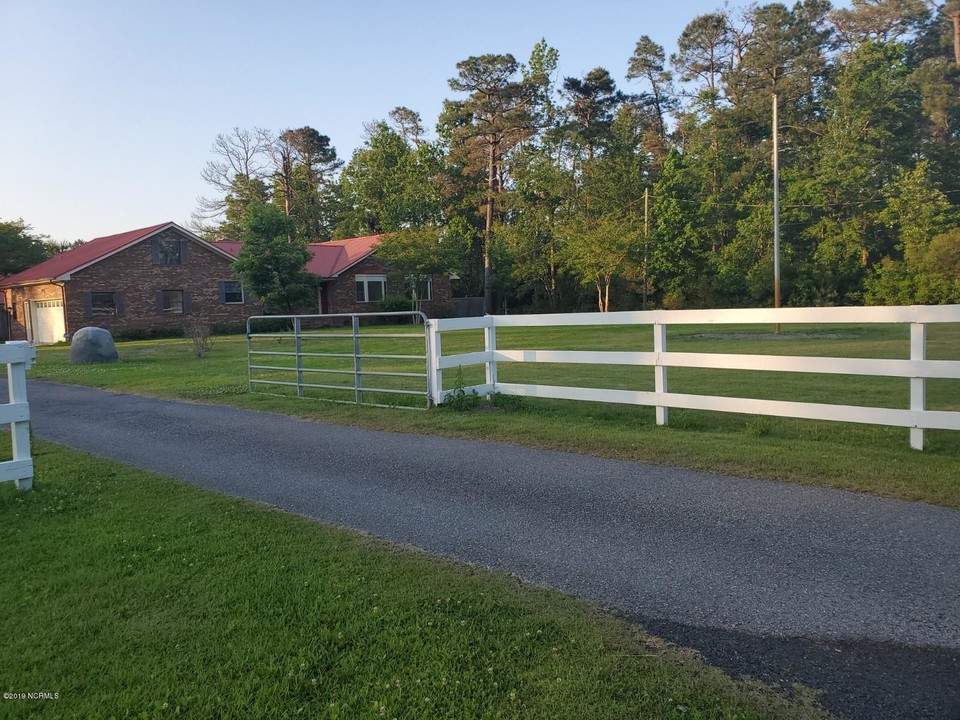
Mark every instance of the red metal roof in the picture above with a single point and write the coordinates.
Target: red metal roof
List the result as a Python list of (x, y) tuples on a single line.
[(327, 259), (67, 262)]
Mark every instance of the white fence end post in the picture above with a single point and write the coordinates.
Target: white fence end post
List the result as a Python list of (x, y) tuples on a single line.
[(433, 363), (918, 385), (20, 429), (660, 370)]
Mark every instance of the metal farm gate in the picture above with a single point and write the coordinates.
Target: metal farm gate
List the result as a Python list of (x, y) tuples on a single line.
[(336, 358)]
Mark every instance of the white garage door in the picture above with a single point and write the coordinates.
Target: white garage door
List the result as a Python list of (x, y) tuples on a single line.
[(48, 325)]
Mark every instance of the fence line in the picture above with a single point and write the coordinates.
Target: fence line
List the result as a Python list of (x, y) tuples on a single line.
[(18, 357), (918, 369)]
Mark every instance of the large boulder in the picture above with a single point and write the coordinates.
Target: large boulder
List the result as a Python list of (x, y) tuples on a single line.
[(92, 345)]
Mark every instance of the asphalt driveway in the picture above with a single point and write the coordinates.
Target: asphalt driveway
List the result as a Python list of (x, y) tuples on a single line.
[(855, 595)]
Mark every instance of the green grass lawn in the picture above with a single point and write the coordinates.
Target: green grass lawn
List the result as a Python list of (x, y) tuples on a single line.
[(134, 596), (855, 457)]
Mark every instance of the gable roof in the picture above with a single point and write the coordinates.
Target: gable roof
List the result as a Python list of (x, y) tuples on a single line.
[(327, 259), (82, 256)]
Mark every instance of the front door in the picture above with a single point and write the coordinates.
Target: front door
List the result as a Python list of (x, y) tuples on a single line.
[(324, 298)]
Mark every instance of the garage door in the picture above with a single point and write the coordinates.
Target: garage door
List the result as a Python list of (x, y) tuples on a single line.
[(47, 326)]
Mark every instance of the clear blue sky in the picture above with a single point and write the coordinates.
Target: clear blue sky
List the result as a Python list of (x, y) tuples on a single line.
[(109, 107)]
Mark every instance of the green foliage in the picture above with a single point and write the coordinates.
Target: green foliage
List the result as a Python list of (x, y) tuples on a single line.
[(509, 403), (459, 400), (597, 250), (387, 185), (272, 263), (293, 170), (157, 332), (930, 277), (527, 178), (424, 251), (20, 247), (395, 303)]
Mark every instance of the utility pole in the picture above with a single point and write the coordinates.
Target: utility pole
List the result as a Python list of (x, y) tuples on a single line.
[(646, 236), (776, 208)]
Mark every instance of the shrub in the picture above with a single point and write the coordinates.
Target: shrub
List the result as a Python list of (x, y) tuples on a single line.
[(156, 332), (198, 331)]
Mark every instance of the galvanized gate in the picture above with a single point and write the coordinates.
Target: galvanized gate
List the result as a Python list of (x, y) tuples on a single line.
[(295, 360)]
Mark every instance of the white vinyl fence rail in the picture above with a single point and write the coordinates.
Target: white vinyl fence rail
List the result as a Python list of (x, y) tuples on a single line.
[(917, 368), (18, 357)]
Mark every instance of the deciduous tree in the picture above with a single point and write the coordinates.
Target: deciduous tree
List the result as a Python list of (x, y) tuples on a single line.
[(271, 265), (20, 247)]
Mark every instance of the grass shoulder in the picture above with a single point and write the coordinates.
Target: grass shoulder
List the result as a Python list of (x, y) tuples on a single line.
[(132, 595)]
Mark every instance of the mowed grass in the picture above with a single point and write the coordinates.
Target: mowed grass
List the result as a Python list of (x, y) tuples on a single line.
[(134, 596), (864, 458)]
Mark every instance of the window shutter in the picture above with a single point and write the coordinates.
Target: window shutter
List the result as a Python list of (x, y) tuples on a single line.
[(87, 304), (184, 253), (118, 301), (223, 291), (159, 302), (155, 250), (187, 303)]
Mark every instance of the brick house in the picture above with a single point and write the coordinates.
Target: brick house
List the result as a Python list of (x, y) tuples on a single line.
[(160, 276), (351, 279), (153, 277)]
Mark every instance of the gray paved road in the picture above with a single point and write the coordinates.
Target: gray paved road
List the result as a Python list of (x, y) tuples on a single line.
[(693, 554)]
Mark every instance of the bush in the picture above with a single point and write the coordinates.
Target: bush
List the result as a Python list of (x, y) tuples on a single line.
[(198, 330), (395, 303), (156, 332)]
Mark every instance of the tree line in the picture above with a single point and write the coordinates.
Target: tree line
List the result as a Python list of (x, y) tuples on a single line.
[(550, 193)]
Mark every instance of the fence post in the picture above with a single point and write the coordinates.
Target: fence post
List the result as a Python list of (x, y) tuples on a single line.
[(357, 376), (249, 356), (490, 346), (20, 430), (660, 370), (428, 352), (299, 350), (433, 363), (918, 385)]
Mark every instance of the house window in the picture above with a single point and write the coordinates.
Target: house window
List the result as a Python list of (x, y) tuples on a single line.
[(103, 303), (231, 292), (169, 252), (419, 287), (371, 288), (171, 302)]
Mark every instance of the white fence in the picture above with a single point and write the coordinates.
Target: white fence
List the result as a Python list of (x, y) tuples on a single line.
[(18, 357), (917, 368)]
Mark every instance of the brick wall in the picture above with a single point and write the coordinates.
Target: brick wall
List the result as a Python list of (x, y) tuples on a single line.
[(133, 272), (16, 304), (343, 290)]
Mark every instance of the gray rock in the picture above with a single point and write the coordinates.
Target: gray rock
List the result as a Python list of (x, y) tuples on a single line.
[(92, 345)]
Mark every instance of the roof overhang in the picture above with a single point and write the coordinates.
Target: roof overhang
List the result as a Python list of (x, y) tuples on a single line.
[(192, 236), (41, 281), (354, 263)]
